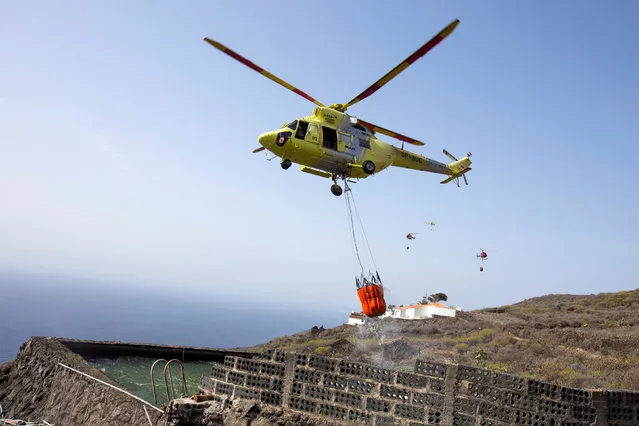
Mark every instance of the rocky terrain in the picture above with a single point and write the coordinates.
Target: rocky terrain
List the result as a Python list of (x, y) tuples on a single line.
[(184, 412), (589, 341)]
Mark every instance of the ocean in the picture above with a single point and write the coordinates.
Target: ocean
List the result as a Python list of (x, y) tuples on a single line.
[(36, 306)]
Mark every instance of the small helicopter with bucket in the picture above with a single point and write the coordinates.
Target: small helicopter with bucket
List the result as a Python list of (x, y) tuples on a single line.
[(482, 256), (332, 144), (410, 236)]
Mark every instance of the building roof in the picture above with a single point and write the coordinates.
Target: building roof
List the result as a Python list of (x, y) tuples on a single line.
[(356, 315)]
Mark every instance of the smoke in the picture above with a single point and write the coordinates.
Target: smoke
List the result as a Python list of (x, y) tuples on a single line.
[(374, 336), (394, 343)]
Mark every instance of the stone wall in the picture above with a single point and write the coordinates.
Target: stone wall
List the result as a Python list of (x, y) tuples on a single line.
[(34, 387), (344, 392), (27, 380), (78, 400)]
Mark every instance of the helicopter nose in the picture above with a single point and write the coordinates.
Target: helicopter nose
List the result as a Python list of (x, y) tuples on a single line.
[(267, 140)]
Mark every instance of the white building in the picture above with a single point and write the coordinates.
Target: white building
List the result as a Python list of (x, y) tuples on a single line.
[(424, 311), (356, 318), (387, 314)]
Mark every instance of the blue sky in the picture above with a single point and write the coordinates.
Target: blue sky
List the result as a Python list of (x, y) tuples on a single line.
[(126, 147)]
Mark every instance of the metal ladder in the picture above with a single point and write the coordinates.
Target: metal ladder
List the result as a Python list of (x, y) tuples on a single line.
[(169, 395)]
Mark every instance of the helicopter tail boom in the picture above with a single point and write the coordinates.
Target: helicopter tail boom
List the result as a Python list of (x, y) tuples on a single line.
[(455, 170), (410, 160)]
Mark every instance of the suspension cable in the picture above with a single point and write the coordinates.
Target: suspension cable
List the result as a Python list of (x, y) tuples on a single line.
[(352, 228), (361, 226)]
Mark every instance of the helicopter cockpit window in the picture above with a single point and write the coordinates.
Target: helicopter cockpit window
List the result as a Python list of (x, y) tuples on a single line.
[(301, 129), (292, 125)]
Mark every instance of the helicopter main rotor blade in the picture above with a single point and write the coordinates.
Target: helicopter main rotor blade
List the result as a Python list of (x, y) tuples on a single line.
[(402, 66), (390, 133), (261, 70)]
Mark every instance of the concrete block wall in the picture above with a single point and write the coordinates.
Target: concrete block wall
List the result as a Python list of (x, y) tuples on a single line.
[(434, 393)]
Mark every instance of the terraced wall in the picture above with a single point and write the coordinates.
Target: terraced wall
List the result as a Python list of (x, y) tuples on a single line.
[(346, 392)]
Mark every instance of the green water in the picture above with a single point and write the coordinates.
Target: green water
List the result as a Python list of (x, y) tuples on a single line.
[(134, 374)]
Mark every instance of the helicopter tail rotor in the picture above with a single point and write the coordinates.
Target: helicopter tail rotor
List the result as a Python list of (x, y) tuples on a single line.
[(458, 168), (449, 155)]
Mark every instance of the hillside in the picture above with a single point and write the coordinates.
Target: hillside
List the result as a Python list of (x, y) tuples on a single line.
[(589, 341)]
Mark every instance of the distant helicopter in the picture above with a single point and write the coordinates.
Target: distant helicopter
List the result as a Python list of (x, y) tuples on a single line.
[(332, 144), (483, 256), (410, 236)]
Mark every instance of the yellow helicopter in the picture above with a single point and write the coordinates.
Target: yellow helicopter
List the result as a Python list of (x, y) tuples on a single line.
[(332, 144)]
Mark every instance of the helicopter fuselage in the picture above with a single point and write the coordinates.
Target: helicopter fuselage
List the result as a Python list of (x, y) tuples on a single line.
[(330, 143)]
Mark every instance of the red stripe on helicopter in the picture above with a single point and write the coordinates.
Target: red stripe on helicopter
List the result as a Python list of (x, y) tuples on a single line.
[(433, 42), (242, 60), (299, 92), (404, 138), (366, 93), (424, 49)]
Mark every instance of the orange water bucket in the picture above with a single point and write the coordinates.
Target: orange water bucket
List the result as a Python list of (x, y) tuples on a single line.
[(372, 298)]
